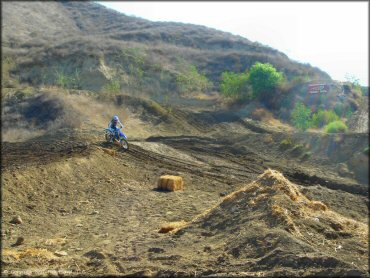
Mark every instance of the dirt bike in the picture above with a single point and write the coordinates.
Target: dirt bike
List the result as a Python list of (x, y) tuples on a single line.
[(117, 137)]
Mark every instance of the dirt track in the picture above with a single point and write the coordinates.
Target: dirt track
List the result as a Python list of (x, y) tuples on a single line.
[(91, 201), (105, 212)]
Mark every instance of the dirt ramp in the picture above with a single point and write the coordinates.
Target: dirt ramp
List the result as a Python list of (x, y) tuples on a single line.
[(270, 226)]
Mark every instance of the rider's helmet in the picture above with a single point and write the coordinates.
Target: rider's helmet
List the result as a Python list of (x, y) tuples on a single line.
[(115, 119)]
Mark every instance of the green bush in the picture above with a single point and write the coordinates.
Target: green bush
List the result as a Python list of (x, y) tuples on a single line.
[(68, 81), (190, 80), (301, 116), (324, 117), (336, 127), (234, 85), (112, 87), (264, 78)]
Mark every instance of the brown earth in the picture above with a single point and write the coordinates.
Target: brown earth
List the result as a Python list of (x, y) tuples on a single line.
[(86, 212)]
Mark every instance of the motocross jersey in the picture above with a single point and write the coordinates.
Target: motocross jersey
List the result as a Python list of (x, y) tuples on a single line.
[(113, 126)]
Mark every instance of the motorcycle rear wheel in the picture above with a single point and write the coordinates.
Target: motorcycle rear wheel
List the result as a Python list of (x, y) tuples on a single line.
[(109, 137)]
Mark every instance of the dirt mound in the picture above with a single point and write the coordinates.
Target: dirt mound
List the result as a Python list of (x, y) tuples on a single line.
[(27, 116), (270, 226)]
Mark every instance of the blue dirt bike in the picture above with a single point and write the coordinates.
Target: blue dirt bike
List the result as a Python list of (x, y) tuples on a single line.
[(117, 137)]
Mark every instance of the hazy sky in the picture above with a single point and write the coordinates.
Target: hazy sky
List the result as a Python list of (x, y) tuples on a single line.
[(333, 36)]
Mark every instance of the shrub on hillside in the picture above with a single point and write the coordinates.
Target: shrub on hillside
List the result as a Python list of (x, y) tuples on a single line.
[(264, 78), (286, 143), (301, 116), (336, 127), (112, 87), (324, 117), (234, 85), (190, 80)]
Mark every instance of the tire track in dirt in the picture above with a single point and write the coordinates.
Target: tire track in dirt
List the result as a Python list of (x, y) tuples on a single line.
[(218, 166)]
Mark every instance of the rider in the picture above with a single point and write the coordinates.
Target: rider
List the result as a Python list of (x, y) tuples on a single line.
[(113, 125)]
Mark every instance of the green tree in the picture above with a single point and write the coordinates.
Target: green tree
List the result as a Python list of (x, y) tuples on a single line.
[(264, 78), (301, 116), (234, 85)]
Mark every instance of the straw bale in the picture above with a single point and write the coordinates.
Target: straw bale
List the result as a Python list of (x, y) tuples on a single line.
[(171, 183)]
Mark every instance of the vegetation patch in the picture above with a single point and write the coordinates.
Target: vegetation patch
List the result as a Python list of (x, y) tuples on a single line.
[(324, 117), (264, 78), (286, 143), (301, 116), (336, 127)]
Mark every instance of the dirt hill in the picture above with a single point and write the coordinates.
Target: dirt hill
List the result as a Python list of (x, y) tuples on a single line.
[(267, 228), (87, 42)]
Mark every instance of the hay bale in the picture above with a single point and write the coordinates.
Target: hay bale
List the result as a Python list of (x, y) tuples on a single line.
[(171, 183)]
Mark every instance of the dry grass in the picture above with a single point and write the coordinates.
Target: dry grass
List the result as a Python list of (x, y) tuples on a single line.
[(261, 114), (172, 226), (55, 241), (267, 139), (317, 205), (247, 189), (29, 253), (282, 214), (277, 181)]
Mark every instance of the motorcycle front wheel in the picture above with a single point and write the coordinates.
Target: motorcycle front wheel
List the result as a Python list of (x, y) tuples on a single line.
[(124, 144)]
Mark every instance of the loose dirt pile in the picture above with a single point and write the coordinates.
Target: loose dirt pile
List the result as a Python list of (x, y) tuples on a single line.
[(268, 227)]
